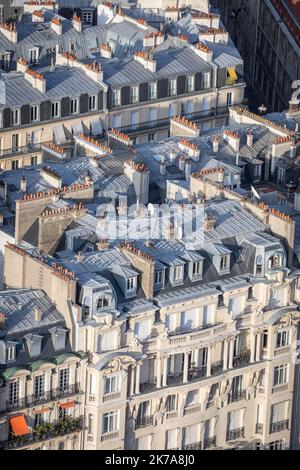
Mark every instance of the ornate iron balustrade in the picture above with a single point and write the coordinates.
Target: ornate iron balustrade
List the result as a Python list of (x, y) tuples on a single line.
[(216, 367), (46, 431), (144, 421), (197, 373), (279, 426), (175, 378), (210, 442), (147, 386), (233, 434), (241, 360), (237, 396), (44, 397), (194, 446)]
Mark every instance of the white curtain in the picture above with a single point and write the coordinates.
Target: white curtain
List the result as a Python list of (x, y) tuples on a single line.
[(172, 439), (236, 419), (142, 329), (144, 443), (208, 314), (93, 388), (277, 298), (108, 341), (192, 398), (260, 413), (279, 411), (236, 305), (189, 319), (171, 321), (190, 435)]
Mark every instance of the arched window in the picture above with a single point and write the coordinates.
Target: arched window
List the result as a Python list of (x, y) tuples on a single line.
[(275, 261)]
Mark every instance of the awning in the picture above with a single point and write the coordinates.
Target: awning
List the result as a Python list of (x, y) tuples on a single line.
[(42, 410), (77, 128), (19, 425), (232, 74), (96, 127), (59, 134), (68, 404)]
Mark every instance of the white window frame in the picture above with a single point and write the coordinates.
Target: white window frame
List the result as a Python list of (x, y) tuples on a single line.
[(197, 272), (283, 338), (74, 106), (190, 83), (131, 284), (33, 56), (152, 91), (15, 116), (112, 384), (206, 81), (159, 277), (134, 94), (110, 421), (55, 106), (116, 97), (282, 375), (34, 110), (178, 273), (10, 353), (172, 87), (93, 99)]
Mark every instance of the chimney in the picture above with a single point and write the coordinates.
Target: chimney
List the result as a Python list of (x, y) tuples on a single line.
[(36, 80), (56, 25), (23, 184), (77, 23), (215, 144), (37, 315), (250, 139), (37, 16), (203, 51), (188, 169), (106, 50), (293, 149), (181, 163), (22, 65), (9, 30), (145, 59)]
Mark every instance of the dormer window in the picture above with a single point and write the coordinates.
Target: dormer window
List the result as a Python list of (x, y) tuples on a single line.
[(58, 336), (134, 94), (130, 284), (178, 273), (173, 87), (275, 262), (10, 353), (195, 270), (224, 263), (159, 278), (259, 266), (34, 56), (102, 302), (34, 344)]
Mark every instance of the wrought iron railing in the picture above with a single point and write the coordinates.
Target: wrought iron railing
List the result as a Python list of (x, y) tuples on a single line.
[(233, 434), (194, 446), (241, 360), (237, 396), (279, 426), (144, 421), (210, 442)]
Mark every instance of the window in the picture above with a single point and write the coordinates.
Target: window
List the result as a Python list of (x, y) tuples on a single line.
[(34, 113), (190, 83), (93, 102), (10, 353), (172, 87), (206, 81), (5, 61), (107, 341), (276, 445), (110, 422), (64, 377), (158, 277), (134, 94), (55, 109), (74, 106), (102, 302), (283, 339), (33, 160), (91, 422), (33, 56), (112, 384), (14, 390), (171, 403), (153, 91), (131, 284), (224, 262), (15, 164), (178, 273), (87, 17), (151, 137), (15, 116), (229, 99), (116, 97), (197, 268), (142, 329), (39, 386), (280, 375), (38, 419)]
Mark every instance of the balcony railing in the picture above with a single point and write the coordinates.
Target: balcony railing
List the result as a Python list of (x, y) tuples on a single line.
[(241, 360), (144, 421), (46, 431), (54, 394), (234, 434), (147, 386), (109, 435), (237, 396), (210, 442), (216, 367), (259, 428), (196, 373), (175, 378), (279, 426), (194, 446), (111, 396)]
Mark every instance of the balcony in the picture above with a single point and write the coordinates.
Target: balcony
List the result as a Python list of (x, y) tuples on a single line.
[(241, 360), (54, 394), (175, 378), (144, 421), (147, 386), (109, 435), (216, 367), (279, 426), (111, 396), (194, 446), (259, 428), (210, 442), (237, 396), (45, 432), (197, 373), (234, 434)]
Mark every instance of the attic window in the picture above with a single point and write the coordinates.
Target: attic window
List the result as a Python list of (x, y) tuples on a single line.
[(10, 353), (102, 302), (34, 344), (178, 273), (130, 284), (58, 336), (158, 277), (224, 262), (275, 262), (197, 268)]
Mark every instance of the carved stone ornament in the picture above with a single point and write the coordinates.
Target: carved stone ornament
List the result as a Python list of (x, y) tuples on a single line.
[(224, 397), (135, 345), (120, 363), (251, 391)]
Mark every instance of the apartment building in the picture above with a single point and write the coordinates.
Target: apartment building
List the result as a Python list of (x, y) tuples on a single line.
[(86, 91), (191, 339), (266, 33), (42, 380)]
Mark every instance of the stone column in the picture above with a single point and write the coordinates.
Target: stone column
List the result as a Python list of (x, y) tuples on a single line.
[(158, 371), (209, 360), (186, 367), (231, 351), (137, 378), (225, 355), (258, 346), (165, 371), (252, 350), (132, 380)]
